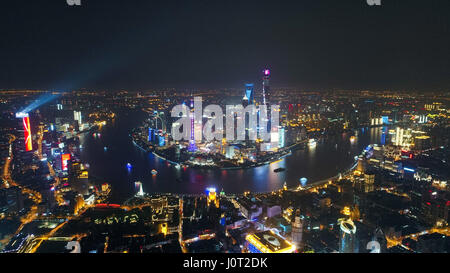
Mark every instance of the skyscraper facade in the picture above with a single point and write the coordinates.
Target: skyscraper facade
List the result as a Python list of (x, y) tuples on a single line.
[(266, 86), (192, 146), (249, 93), (77, 116), (297, 230), (347, 240)]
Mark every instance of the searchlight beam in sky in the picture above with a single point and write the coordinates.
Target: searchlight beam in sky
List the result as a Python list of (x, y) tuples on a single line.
[(41, 100)]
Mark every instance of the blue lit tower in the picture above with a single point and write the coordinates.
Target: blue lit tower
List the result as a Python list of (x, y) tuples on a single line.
[(248, 100), (249, 93)]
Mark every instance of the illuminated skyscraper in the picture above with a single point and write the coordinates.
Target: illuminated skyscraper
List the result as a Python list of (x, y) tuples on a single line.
[(65, 158), (281, 137), (266, 87), (77, 116), (192, 146), (249, 93), (361, 164), (266, 101), (150, 135), (212, 197), (27, 132), (198, 120), (398, 140), (25, 125), (369, 181), (297, 230), (248, 100), (347, 238)]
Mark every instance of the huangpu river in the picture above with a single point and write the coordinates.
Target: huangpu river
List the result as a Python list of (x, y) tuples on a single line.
[(330, 157)]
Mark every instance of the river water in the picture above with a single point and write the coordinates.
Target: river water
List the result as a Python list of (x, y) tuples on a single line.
[(327, 159)]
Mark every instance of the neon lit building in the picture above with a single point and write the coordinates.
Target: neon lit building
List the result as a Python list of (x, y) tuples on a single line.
[(64, 160), (268, 242), (27, 133)]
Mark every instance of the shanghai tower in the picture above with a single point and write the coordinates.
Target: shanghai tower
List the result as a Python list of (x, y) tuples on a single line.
[(266, 86)]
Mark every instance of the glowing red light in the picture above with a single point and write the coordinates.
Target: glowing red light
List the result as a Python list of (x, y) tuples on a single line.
[(107, 205), (27, 132), (64, 160)]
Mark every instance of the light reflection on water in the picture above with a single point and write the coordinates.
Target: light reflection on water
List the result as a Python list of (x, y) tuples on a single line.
[(315, 163)]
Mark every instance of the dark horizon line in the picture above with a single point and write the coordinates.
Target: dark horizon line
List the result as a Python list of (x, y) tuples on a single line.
[(190, 88)]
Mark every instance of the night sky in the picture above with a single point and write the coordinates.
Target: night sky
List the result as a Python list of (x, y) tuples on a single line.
[(145, 44)]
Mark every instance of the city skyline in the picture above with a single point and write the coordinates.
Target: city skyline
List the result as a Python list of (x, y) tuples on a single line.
[(213, 127)]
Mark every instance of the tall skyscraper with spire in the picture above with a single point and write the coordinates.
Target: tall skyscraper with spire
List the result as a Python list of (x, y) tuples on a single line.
[(266, 87), (266, 98)]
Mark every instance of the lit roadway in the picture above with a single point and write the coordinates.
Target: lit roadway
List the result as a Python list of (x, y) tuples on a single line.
[(8, 182), (393, 241), (318, 184), (6, 175), (58, 197), (180, 227), (32, 246)]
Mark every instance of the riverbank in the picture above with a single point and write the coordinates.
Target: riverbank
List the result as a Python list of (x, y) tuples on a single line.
[(286, 152), (327, 159)]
